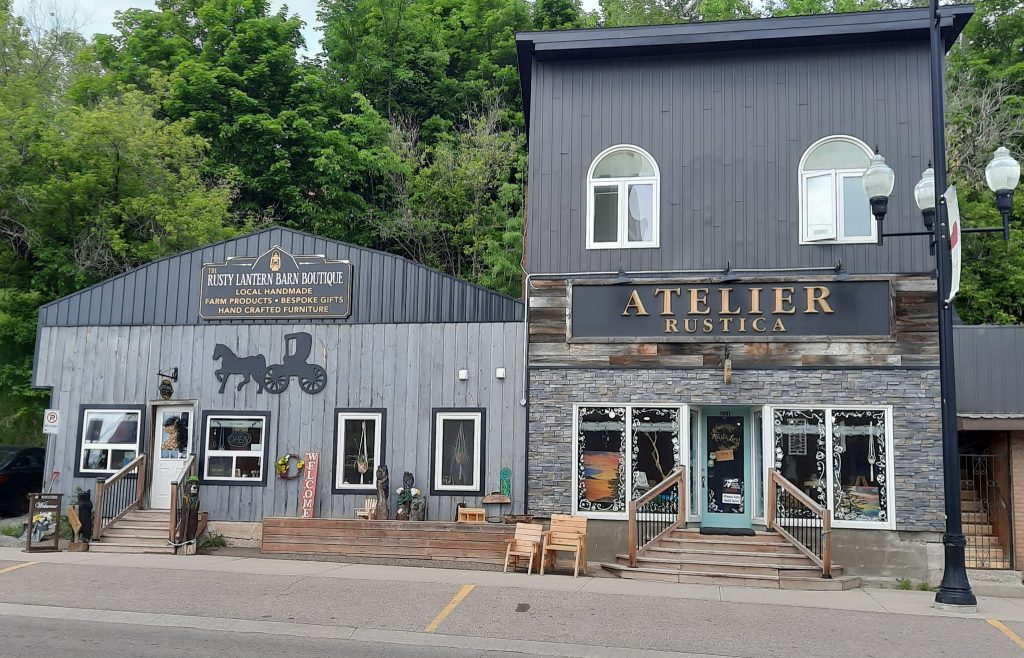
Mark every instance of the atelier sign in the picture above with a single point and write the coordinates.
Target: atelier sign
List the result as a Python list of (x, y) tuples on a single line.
[(848, 308), (275, 285)]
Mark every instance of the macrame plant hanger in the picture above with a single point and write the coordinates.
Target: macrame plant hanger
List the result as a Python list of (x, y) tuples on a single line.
[(362, 466), (459, 454), (872, 457)]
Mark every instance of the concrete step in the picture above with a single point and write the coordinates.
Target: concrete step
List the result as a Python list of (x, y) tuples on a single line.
[(836, 583), (970, 506), (759, 536), (737, 557), (117, 547), (983, 540), (987, 562), (973, 517), (968, 494), (714, 565), (726, 578)]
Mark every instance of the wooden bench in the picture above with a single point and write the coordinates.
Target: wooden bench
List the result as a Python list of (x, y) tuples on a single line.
[(471, 515), (568, 534), (525, 544)]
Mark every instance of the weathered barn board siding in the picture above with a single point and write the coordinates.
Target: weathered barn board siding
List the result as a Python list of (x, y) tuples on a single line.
[(914, 341), (409, 370), (727, 131), (385, 288)]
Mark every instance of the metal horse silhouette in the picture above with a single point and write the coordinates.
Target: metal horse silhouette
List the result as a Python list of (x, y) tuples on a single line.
[(275, 378)]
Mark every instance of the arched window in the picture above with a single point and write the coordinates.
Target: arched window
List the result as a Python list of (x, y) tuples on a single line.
[(622, 199), (833, 206)]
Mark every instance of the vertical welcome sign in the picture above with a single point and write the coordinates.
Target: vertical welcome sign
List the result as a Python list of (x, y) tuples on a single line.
[(308, 495)]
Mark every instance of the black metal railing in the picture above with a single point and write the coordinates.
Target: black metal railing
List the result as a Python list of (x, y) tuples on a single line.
[(118, 495), (985, 511), (657, 512), (803, 522)]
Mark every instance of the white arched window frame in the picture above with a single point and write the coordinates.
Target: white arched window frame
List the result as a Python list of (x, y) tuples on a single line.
[(830, 196), (626, 190)]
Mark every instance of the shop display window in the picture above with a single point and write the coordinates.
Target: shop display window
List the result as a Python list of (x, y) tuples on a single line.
[(359, 449), (458, 452), (234, 448), (109, 439)]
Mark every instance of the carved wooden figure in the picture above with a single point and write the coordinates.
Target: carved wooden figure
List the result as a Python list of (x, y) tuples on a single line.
[(382, 493)]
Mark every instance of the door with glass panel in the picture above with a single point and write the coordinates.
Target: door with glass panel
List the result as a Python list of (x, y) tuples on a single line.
[(725, 458), (172, 445)]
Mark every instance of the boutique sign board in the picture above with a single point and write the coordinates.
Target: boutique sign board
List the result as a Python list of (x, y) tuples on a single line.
[(754, 310), (276, 285)]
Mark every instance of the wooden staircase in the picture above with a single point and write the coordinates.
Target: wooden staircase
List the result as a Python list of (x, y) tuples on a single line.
[(138, 531), (762, 560), (985, 550)]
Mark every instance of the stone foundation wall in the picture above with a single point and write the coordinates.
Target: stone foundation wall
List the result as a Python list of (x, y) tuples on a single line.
[(913, 394)]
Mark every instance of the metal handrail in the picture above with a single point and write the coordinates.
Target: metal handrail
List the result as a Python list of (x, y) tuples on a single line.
[(656, 524), (815, 544), (112, 491)]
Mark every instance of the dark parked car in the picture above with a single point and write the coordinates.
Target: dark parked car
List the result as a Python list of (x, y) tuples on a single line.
[(21, 473)]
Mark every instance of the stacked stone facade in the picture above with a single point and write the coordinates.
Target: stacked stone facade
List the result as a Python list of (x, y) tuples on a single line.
[(912, 393)]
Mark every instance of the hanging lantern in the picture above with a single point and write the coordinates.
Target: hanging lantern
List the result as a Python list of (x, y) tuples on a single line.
[(166, 390)]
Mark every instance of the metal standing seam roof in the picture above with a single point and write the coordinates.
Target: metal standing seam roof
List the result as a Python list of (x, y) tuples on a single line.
[(386, 288), (703, 37), (989, 370)]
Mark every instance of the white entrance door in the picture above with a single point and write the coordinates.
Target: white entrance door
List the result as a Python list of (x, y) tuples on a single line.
[(171, 447)]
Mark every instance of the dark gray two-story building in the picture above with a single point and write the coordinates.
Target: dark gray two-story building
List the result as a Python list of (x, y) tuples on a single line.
[(704, 285)]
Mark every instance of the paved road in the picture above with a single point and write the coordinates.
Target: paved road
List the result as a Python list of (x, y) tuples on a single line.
[(271, 608)]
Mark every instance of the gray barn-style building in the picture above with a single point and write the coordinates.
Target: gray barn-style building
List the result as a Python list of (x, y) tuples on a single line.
[(705, 292), (301, 345)]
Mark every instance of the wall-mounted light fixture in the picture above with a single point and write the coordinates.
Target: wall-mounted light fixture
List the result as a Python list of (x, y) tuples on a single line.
[(463, 375), (499, 373)]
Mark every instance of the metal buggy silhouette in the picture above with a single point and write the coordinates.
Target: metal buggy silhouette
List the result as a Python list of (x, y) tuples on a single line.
[(312, 378)]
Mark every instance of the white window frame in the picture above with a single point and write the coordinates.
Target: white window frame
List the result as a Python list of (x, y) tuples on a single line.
[(208, 453), (378, 449), (683, 458), (106, 447), (890, 523), (836, 236), (623, 211), (478, 457)]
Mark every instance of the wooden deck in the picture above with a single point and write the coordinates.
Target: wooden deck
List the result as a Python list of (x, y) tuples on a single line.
[(418, 540)]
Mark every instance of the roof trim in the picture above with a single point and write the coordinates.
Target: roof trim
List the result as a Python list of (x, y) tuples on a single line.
[(724, 36), (269, 229)]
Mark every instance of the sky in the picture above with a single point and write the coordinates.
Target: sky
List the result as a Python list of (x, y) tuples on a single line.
[(97, 16)]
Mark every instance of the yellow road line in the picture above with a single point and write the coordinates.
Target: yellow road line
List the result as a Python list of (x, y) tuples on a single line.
[(18, 566), (1016, 639), (454, 603)]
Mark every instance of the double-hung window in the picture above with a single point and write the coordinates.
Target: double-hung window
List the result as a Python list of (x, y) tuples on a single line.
[(108, 438), (622, 199), (833, 204), (235, 447)]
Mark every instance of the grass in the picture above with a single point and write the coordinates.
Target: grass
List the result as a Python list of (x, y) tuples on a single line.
[(925, 587), (212, 540), (11, 530), (903, 583)]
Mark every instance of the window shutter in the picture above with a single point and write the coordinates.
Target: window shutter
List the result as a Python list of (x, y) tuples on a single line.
[(819, 206)]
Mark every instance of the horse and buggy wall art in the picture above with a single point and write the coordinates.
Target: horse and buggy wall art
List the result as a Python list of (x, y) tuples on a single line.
[(274, 378)]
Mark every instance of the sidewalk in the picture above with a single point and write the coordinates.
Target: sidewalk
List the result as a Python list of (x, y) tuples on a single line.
[(866, 600)]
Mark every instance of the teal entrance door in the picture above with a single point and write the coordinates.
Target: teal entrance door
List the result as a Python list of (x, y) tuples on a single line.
[(725, 461)]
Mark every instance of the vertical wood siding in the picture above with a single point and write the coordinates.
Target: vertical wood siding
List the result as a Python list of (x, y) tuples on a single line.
[(405, 368), (728, 132), (990, 366)]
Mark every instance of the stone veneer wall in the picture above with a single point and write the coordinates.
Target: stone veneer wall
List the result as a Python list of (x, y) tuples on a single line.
[(913, 394)]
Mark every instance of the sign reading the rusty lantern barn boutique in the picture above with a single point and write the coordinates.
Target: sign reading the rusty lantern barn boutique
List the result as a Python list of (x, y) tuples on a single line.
[(676, 310), (276, 285)]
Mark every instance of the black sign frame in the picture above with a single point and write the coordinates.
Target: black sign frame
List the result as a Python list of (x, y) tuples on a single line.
[(881, 290), (277, 267), (43, 503)]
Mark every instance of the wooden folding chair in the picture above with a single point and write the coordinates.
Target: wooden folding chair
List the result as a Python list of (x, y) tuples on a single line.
[(525, 544), (568, 534), (367, 511)]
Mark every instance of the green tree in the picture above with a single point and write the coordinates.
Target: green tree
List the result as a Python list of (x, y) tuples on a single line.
[(624, 13), (557, 14)]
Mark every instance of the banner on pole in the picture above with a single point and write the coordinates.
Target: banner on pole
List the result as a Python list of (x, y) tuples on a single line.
[(953, 214)]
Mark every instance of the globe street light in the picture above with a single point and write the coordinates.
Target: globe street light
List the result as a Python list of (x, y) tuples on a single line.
[(878, 182), (1002, 175), (924, 196)]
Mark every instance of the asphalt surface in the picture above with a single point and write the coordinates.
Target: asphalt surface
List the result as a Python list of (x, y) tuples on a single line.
[(118, 610)]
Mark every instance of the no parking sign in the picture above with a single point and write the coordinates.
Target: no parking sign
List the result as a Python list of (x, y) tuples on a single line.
[(51, 421)]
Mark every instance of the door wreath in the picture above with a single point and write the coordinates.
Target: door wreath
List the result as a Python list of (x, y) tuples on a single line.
[(284, 466)]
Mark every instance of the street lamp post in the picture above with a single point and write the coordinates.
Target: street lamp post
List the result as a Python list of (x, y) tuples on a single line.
[(1002, 176)]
